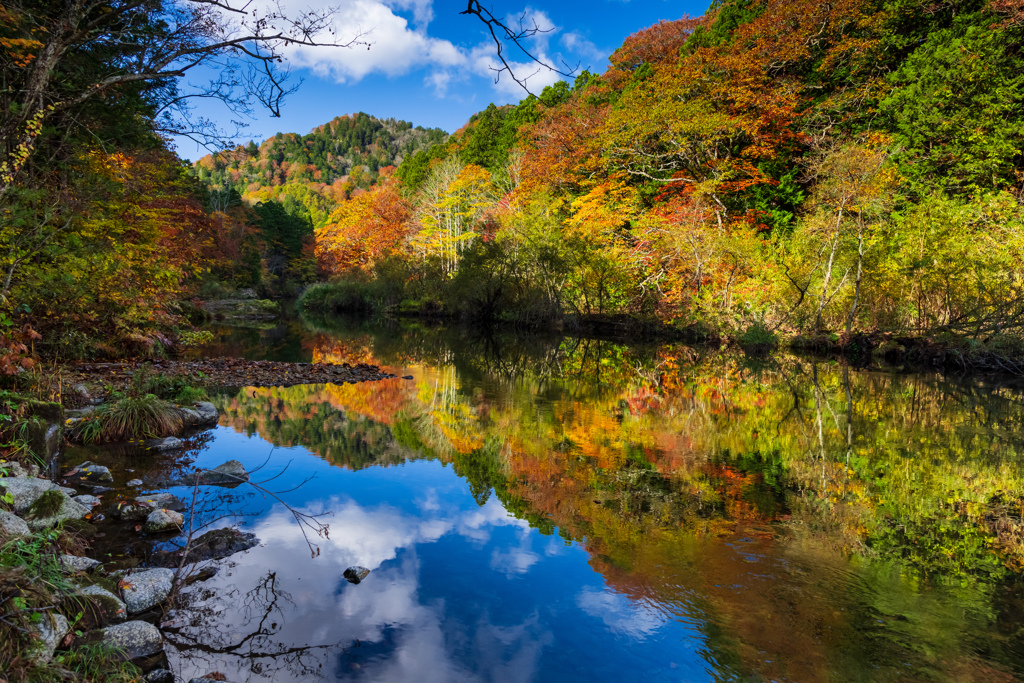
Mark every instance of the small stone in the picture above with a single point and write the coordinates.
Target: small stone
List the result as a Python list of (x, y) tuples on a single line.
[(208, 678), (170, 443), (86, 500), (408, 377), (134, 482), (97, 490), (88, 472), (159, 676), (73, 563), (82, 390), (50, 630), (134, 638), (111, 608), (356, 574), (17, 469), (146, 589), (162, 520), (12, 525)]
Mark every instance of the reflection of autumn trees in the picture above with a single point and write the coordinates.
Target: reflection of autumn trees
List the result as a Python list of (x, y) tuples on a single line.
[(660, 462)]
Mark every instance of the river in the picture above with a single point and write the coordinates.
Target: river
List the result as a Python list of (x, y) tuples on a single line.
[(560, 509)]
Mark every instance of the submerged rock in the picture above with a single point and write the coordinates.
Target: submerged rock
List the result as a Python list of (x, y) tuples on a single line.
[(48, 631), (134, 638), (356, 574), (73, 563), (90, 473), (143, 506), (111, 609), (86, 500), (163, 520), (12, 525), (231, 473), (134, 482), (145, 589), (159, 676), (213, 545), (170, 443)]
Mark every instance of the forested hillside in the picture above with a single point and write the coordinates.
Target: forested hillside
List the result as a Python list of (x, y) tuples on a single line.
[(772, 167), (311, 173)]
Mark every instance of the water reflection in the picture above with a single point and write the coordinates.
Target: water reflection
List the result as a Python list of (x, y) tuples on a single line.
[(557, 509)]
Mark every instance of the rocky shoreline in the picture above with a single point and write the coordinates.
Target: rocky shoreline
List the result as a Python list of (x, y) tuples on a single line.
[(126, 606), (229, 372)]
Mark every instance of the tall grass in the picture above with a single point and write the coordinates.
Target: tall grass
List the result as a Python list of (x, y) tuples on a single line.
[(128, 418)]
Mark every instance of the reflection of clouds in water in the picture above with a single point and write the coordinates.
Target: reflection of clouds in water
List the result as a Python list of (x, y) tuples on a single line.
[(430, 501), (619, 613), (515, 560), (475, 524), (402, 637)]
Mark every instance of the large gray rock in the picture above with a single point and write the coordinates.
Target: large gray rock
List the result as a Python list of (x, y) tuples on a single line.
[(68, 509), (111, 608), (134, 639), (160, 521), (207, 413), (48, 633), (90, 473), (12, 525), (145, 589), (73, 563), (25, 490), (231, 473), (208, 678)]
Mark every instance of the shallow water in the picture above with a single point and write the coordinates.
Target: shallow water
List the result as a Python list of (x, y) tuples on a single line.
[(547, 509)]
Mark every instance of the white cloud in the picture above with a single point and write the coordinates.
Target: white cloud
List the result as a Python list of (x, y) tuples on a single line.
[(395, 47), (577, 44)]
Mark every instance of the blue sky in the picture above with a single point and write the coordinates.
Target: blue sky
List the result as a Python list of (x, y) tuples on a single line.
[(430, 65)]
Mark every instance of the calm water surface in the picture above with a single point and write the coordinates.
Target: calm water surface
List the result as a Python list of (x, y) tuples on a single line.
[(566, 510)]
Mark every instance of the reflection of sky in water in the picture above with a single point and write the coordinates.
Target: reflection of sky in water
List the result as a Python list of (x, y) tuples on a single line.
[(457, 591)]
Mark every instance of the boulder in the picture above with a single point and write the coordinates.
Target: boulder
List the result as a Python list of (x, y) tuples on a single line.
[(44, 437), (145, 589), (213, 545), (162, 520), (356, 574), (73, 563), (134, 639), (25, 490), (52, 508), (207, 412), (88, 473), (110, 608), (12, 525), (48, 631)]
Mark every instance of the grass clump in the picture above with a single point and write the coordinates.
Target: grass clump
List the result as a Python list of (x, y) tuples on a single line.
[(174, 389), (130, 418)]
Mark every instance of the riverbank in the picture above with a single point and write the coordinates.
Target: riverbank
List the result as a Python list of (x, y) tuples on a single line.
[(67, 613)]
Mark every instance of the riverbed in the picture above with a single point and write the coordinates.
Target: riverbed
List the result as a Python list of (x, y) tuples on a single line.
[(561, 509)]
